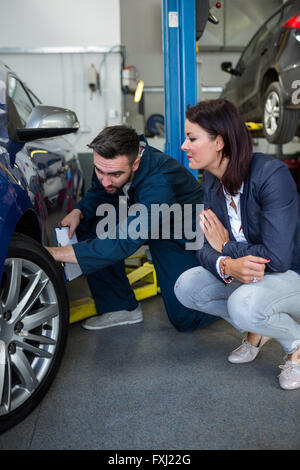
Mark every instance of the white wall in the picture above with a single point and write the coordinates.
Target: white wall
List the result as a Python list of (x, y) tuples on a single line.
[(141, 33), (33, 23), (209, 73), (62, 79)]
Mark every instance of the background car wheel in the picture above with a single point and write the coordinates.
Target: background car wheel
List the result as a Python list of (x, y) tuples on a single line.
[(279, 124), (34, 317)]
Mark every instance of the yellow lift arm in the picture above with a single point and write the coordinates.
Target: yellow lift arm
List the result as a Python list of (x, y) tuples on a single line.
[(254, 126), (141, 276)]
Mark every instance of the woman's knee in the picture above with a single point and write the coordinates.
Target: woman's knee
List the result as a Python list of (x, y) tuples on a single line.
[(184, 286), (190, 287), (246, 308)]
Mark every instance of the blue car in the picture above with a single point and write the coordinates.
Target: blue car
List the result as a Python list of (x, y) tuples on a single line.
[(40, 181)]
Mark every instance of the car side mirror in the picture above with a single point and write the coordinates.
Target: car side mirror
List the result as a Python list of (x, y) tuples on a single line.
[(48, 121), (226, 67)]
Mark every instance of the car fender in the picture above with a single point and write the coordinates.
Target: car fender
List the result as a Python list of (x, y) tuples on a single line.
[(274, 74), (14, 205), (285, 93)]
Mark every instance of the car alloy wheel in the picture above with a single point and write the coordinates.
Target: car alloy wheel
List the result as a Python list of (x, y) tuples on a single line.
[(279, 123), (33, 327), (271, 113)]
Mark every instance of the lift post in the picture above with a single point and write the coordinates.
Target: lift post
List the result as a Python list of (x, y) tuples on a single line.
[(180, 74)]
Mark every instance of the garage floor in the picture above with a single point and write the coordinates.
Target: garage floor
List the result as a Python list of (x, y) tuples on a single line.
[(146, 386)]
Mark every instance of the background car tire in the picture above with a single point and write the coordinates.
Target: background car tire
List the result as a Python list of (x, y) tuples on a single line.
[(279, 124), (33, 328)]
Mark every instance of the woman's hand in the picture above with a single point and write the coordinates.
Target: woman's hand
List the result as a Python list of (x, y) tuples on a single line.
[(246, 269), (215, 232)]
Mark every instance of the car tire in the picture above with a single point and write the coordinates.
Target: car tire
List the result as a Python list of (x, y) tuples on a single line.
[(34, 318), (279, 124)]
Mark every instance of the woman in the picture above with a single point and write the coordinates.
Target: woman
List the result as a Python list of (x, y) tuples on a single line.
[(249, 271)]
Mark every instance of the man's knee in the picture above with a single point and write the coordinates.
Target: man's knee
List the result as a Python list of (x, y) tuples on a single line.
[(188, 320)]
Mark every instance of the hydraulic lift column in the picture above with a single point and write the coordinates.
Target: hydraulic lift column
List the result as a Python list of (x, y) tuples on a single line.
[(179, 48)]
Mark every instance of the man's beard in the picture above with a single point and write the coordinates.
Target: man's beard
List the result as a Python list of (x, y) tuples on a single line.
[(115, 189)]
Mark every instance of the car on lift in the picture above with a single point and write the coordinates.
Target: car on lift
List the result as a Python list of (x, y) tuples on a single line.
[(265, 84), (40, 180)]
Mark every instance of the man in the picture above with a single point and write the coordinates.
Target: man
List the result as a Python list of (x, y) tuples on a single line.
[(124, 165)]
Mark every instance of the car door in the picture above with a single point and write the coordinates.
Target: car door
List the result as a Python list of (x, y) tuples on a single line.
[(41, 162), (247, 68), (252, 65)]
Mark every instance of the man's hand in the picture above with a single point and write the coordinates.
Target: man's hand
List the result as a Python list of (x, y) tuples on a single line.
[(215, 232), (72, 221), (64, 254), (247, 268)]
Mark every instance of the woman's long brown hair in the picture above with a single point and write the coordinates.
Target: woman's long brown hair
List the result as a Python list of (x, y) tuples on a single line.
[(221, 117)]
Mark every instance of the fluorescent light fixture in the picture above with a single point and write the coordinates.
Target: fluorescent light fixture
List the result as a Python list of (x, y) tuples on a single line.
[(138, 91)]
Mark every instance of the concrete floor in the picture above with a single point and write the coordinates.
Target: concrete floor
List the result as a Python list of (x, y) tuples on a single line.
[(147, 386)]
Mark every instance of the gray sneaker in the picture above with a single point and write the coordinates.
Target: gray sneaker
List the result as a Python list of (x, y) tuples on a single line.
[(289, 378), (107, 320), (246, 352)]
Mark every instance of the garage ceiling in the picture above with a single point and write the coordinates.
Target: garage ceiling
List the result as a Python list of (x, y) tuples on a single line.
[(239, 20)]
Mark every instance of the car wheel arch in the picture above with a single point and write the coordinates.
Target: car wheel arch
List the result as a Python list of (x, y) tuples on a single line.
[(270, 76), (29, 225)]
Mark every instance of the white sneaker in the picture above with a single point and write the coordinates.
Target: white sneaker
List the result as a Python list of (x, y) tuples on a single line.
[(289, 378), (120, 317), (246, 352)]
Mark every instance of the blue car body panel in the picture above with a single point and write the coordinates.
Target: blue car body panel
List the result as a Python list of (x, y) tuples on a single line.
[(40, 181)]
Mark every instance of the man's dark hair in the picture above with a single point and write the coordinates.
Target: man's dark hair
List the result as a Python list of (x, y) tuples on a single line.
[(116, 140), (221, 117)]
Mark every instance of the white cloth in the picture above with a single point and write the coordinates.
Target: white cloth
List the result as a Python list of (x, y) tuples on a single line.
[(126, 189), (234, 219)]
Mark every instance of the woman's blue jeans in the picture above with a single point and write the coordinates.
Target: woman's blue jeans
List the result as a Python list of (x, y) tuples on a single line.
[(266, 307)]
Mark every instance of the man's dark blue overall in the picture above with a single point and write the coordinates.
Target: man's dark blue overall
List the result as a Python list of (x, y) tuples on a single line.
[(159, 179)]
